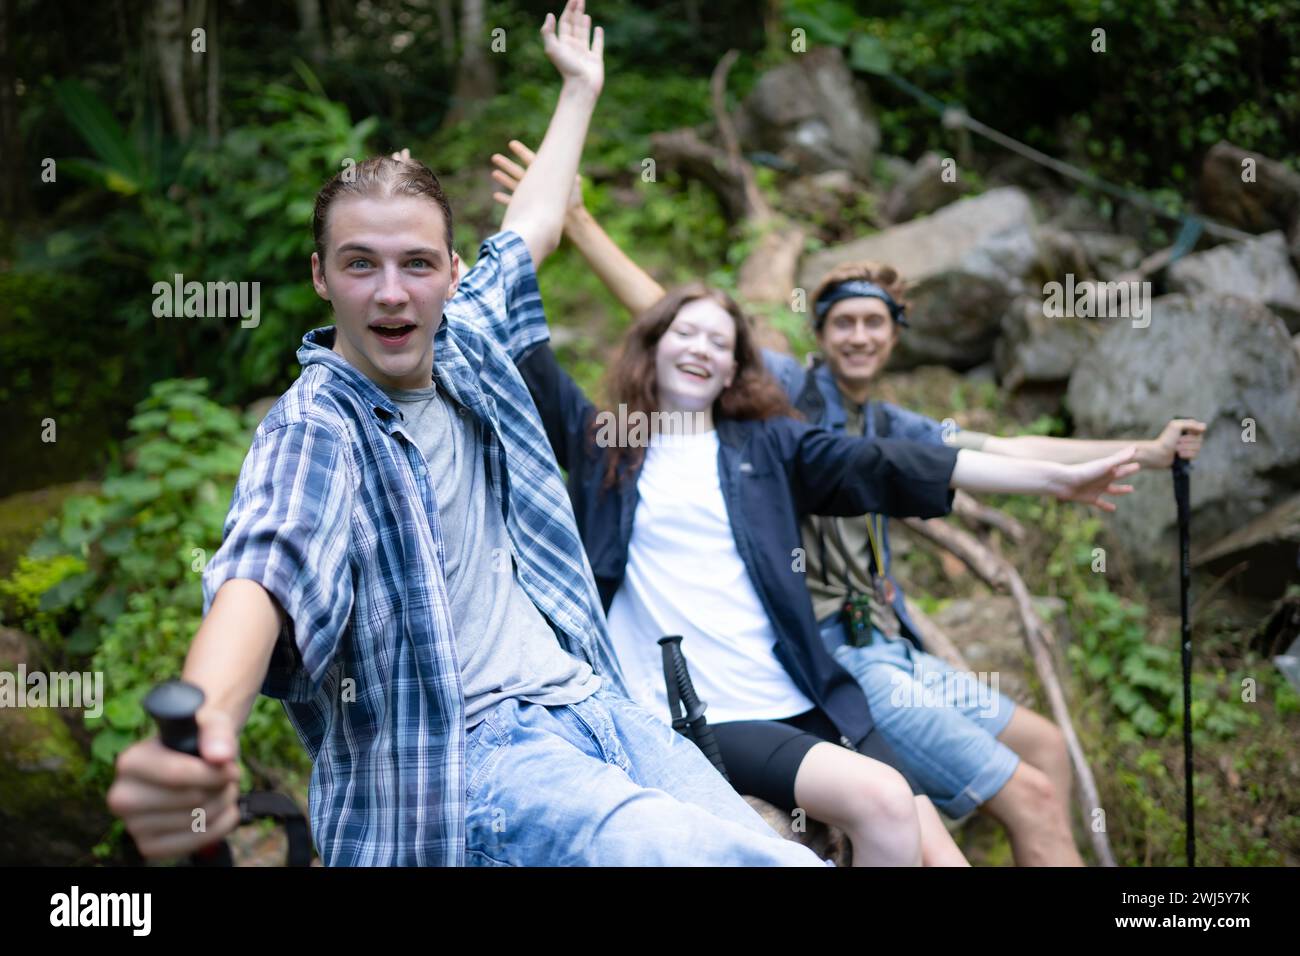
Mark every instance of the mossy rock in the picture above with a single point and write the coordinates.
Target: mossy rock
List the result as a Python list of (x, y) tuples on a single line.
[(51, 813), (23, 515)]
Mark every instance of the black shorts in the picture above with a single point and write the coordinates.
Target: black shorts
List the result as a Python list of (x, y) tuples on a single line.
[(762, 757)]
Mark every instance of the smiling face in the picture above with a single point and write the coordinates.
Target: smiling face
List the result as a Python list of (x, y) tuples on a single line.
[(388, 272), (857, 339), (695, 359)]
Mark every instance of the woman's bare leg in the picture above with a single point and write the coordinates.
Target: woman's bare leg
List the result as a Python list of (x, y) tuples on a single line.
[(867, 799), (937, 845)]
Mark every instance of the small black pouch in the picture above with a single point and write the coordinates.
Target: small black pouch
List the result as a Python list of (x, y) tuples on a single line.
[(857, 619)]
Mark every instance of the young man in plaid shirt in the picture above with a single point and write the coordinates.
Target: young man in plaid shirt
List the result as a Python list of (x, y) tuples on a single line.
[(401, 566)]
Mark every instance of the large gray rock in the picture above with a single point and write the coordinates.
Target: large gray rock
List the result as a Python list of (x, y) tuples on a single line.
[(964, 265), (1035, 349), (1224, 360), (812, 114), (1109, 255), (921, 190), (1271, 201), (1258, 269)]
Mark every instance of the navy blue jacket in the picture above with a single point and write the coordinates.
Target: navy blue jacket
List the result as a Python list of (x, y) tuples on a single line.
[(772, 472), (816, 396)]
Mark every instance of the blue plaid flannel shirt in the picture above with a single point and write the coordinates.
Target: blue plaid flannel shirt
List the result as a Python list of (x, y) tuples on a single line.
[(334, 515)]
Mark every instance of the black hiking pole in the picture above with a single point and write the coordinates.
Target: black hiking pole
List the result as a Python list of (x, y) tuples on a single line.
[(1182, 498), (681, 697), (173, 705)]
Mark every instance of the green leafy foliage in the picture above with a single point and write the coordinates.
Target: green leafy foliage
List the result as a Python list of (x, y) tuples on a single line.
[(114, 585), (56, 418), (240, 212), (1171, 81)]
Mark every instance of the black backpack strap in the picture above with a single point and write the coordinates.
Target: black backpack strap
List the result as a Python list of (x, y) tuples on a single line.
[(881, 417), (810, 402)]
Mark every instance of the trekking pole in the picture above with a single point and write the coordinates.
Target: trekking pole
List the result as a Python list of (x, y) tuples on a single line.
[(1182, 498), (173, 705), (681, 696)]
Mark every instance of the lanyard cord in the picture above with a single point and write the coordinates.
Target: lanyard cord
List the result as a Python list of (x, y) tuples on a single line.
[(876, 535)]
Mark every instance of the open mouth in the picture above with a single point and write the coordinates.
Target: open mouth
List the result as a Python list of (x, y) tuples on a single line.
[(694, 371), (393, 333)]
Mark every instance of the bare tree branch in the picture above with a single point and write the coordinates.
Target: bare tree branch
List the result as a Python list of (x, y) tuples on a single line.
[(977, 513)]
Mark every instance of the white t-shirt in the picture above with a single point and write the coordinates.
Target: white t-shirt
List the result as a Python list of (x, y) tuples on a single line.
[(685, 576)]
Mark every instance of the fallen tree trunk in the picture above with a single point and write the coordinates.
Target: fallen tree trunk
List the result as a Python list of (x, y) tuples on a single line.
[(767, 275)]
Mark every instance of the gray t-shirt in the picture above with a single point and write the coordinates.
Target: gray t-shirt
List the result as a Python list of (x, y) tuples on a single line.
[(505, 646)]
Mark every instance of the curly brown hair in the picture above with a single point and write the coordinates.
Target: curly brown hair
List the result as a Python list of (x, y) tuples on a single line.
[(885, 276), (632, 383)]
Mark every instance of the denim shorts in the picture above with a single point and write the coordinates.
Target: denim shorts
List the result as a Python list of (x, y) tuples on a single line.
[(604, 783), (942, 724)]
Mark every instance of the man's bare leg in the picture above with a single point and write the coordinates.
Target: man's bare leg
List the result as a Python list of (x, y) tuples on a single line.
[(1034, 805), (1040, 742)]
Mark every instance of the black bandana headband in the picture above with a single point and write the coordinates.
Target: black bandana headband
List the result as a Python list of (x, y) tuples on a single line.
[(855, 289)]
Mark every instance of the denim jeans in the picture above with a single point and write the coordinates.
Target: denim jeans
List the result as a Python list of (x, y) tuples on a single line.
[(604, 783), (948, 746)]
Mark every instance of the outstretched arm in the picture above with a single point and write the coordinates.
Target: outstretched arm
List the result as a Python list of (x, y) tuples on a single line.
[(1182, 436), (836, 474), (635, 288), (1084, 482), (536, 212)]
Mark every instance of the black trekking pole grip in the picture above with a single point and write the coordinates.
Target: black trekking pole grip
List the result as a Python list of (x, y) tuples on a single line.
[(173, 705), (693, 720), (1181, 469)]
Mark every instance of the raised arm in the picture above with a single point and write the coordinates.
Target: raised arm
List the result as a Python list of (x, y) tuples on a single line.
[(634, 288), (536, 212), (1182, 436)]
